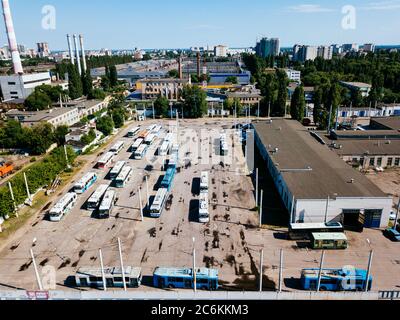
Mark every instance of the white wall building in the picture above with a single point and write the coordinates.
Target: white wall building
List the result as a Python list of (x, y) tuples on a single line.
[(21, 86), (220, 51), (293, 75)]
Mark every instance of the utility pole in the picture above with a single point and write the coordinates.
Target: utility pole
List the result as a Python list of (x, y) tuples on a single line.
[(13, 199), (261, 270), (170, 106), (122, 263), (27, 190), (102, 271), (261, 207), (371, 254), (256, 186), (39, 281), (147, 191), (280, 271), (194, 267), (66, 157), (258, 112), (269, 109), (326, 209), (320, 270), (397, 216), (154, 114), (330, 118), (140, 204)]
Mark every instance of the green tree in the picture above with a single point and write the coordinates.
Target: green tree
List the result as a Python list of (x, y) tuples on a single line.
[(113, 76), (232, 79), (161, 106), (98, 94), (87, 84), (105, 83), (173, 73), (88, 138), (298, 104), (37, 100), (118, 116), (195, 104), (105, 125), (74, 82), (318, 109), (280, 103), (41, 137), (59, 134)]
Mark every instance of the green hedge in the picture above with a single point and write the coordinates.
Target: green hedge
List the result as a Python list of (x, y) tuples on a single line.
[(38, 175)]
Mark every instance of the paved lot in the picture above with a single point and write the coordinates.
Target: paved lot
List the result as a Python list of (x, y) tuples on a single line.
[(231, 241)]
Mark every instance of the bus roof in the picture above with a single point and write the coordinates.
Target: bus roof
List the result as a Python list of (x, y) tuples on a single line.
[(137, 142), (114, 271), (106, 157), (118, 166), (334, 272), (107, 200), (169, 137), (161, 193), (99, 192), (63, 201), (134, 129), (203, 206), (204, 178), (305, 226), (124, 173), (118, 145), (82, 181), (141, 149), (329, 236), (176, 272), (150, 137)]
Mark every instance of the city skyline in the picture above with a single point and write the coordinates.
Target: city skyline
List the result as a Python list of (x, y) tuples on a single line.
[(128, 25)]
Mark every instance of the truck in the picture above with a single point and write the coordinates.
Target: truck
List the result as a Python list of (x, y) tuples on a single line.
[(6, 169)]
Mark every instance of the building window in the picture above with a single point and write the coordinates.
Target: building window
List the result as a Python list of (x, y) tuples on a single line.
[(379, 161), (397, 162), (390, 162), (372, 161), (11, 83)]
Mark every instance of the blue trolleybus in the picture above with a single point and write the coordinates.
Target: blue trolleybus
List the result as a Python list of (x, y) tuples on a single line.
[(344, 279), (182, 278), (168, 179)]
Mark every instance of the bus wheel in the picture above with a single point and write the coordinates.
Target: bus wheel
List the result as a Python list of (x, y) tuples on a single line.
[(171, 286)]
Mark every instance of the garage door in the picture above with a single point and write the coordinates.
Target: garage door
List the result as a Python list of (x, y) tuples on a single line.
[(373, 218)]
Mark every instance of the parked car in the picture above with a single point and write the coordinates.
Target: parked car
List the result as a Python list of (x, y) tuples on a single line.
[(392, 234)]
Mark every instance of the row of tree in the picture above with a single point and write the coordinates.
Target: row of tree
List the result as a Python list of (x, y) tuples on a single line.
[(39, 175), (36, 139)]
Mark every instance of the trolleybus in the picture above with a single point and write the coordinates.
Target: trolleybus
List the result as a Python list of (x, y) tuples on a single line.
[(164, 148), (204, 181), (328, 240), (133, 131), (168, 179), (85, 182), (138, 142), (141, 152), (105, 160), (116, 170), (107, 204), (117, 148), (91, 277), (302, 231), (123, 177), (63, 206), (183, 278), (204, 216), (159, 202), (95, 199), (150, 139)]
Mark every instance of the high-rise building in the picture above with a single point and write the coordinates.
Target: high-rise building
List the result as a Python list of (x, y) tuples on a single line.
[(350, 47), (268, 47), (303, 53), (220, 51), (43, 49), (369, 47), (325, 52)]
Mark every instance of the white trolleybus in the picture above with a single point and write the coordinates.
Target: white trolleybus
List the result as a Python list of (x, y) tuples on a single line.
[(169, 137), (159, 202), (150, 139), (151, 127), (204, 216), (90, 277), (204, 181), (85, 183), (123, 177), (63, 206), (105, 160), (138, 142), (107, 204), (116, 170), (164, 148), (133, 131), (117, 148), (156, 129), (223, 145), (95, 199), (141, 152)]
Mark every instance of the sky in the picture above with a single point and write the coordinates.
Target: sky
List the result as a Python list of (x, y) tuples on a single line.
[(126, 24)]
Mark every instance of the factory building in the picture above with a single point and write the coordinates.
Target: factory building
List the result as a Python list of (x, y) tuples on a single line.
[(153, 88), (314, 184)]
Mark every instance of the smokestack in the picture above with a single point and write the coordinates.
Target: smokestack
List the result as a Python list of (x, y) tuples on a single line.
[(78, 58), (83, 53), (71, 53), (12, 41), (198, 64), (180, 67)]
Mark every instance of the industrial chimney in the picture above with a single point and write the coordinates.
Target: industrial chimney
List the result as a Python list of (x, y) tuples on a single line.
[(83, 53), (12, 41), (180, 67), (78, 58), (71, 53), (198, 65)]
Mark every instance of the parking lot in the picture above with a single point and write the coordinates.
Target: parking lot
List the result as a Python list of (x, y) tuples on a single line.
[(231, 242)]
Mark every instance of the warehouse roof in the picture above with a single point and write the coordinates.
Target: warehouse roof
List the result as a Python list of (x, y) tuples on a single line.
[(391, 123), (298, 150)]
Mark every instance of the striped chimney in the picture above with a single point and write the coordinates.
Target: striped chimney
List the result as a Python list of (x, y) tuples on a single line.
[(83, 53), (12, 41), (71, 53), (78, 58)]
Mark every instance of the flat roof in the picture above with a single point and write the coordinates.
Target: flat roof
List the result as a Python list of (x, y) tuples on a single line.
[(392, 123), (356, 84), (367, 134), (329, 236), (42, 115), (298, 150)]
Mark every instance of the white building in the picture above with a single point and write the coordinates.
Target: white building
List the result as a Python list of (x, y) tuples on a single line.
[(325, 52), (221, 51), (369, 47), (293, 75)]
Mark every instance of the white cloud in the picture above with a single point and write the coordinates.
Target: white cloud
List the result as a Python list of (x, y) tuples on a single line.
[(382, 5), (310, 8)]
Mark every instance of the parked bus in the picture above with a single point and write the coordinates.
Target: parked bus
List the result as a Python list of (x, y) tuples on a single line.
[(169, 137), (343, 279), (173, 162), (95, 199), (105, 160), (123, 177), (159, 202), (150, 139), (85, 182), (107, 204), (63, 206), (156, 129), (91, 277), (143, 134), (204, 216), (141, 152), (328, 240), (117, 148), (151, 127), (303, 231), (164, 149), (116, 170), (168, 179), (204, 181), (138, 142), (133, 131), (182, 278)]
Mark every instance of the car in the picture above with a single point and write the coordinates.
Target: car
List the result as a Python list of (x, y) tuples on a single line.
[(392, 234), (392, 216)]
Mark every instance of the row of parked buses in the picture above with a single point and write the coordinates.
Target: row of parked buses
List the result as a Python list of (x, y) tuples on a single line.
[(223, 144), (179, 278), (204, 215)]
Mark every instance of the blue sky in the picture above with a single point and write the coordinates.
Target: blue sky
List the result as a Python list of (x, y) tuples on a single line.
[(184, 23)]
